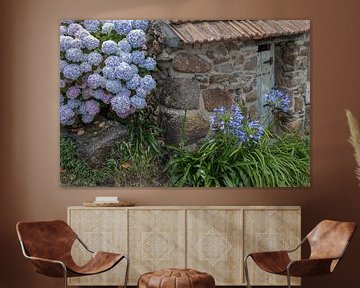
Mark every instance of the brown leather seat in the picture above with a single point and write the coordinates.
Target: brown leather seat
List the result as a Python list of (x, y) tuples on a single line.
[(328, 242), (176, 278), (48, 245)]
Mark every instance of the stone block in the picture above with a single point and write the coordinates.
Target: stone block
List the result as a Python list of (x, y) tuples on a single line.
[(251, 63), (188, 63), (218, 78), (251, 96), (298, 104), (181, 93), (239, 60), (215, 98), (224, 68)]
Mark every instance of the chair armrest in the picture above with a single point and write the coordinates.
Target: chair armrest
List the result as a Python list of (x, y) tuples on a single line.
[(309, 267), (49, 267), (84, 245)]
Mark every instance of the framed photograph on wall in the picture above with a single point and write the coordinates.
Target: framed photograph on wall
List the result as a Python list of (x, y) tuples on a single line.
[(185, 103)]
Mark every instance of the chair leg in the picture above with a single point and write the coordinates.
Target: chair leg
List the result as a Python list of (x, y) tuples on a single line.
[(288, 278), (127, 271), (246, 270), (65, 276)]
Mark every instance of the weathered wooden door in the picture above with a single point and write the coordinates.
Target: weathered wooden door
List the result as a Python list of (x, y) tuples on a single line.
[(265, 77)]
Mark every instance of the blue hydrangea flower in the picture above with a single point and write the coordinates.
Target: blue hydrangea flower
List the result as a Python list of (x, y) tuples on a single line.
[(124, 71), (138, 57), (86, 93), (72, 71), (85, 67), (82, 34), (77, 43), (136, 38), (63, 63), (65, 42), (66, 115), (148, 83), (112, 61), (67, 22), (73, 92), (109, 47), (91, 25), (107, 28), (87, 118), (141, 24), (134, 82), (113, 86), (141, 92), (277, 100), (73, 29), (124, 45), (101, 95), (92, 107), (149, 64), (63, 30), (138, 102), (95, 81), (121, 105), (61, 99), (123, 27), (74, 104), (90, 42), (62, 83), (94, 58), (109, 72), (135, 68), (124, 57), (74, 55)]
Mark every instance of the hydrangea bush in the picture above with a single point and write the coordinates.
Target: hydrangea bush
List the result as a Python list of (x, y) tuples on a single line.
[(233, 122), (277, 100), (103, 63)]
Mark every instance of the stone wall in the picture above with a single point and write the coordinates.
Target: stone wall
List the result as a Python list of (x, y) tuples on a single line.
[(195, 79)]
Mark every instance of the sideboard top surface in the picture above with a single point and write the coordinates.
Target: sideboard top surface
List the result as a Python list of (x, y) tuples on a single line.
[(193, 207)]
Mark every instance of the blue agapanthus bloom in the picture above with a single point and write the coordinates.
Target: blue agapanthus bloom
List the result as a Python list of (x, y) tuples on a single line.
[(148, 83), (91, 25), (107, 28), (141, 24), (123, 27), (138, 57), (72, 71), (90, 42), (113, 61), (113, 86), (74, 55), (124, 71), (136, 38), (149, 64), (95, 81), (277, 100), (94, 58), (124, 45), (121, 105), (85, 67), (66, 115), (109, 47)]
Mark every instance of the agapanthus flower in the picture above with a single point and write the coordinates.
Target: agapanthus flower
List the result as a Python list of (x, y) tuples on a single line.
[(124, 71), (138, 102), (149, 64), (63, 30), (109, 72), (113, 86), (82, 34), (95, 81), (107, 28), (277, 100), (65, 42), (91, 25), (254, 131), (141, 24), (123, 27), (94, 58), (66, 115), (85, 67), (73, 28), (134, 82), (124, 56), (72, 71), (74, 55), (136, 38), (76, 43), (121, 105), (148, 83), (112, 61), (109, 47), (124, 45), (90, 42), (138, 57), (73, 92)]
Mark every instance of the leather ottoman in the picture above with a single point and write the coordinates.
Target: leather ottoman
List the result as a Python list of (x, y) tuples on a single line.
[(176, 278)]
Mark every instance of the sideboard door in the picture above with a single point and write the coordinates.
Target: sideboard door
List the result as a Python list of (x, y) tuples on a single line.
[(101, 230)]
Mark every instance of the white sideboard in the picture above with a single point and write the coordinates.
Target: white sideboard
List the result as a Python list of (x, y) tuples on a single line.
[(212, 239)]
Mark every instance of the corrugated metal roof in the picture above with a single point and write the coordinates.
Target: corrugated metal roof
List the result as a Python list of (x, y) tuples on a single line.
[(207, 31)]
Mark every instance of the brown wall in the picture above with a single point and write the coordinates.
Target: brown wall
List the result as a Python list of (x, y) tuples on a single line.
[(30, 131)]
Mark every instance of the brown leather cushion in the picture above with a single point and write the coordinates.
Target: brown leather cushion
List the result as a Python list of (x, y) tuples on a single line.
[(176, 278)]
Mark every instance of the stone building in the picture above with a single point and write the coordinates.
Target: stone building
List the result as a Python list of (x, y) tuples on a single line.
[(207, 64)]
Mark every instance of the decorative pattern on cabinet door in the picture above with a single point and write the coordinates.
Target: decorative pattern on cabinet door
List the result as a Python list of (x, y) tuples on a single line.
[(214, 241), (101, 230), (156, 240), (269, 230)]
